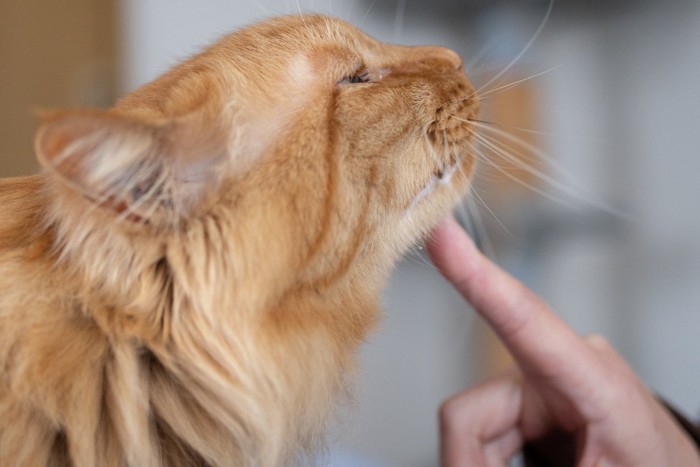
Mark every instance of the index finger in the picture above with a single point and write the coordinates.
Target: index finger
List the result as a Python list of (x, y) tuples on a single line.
[(539, 340)]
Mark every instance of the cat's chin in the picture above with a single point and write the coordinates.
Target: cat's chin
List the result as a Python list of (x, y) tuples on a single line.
[(442, 177)]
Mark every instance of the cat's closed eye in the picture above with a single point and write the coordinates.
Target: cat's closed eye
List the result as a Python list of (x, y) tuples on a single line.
[(359, 77)]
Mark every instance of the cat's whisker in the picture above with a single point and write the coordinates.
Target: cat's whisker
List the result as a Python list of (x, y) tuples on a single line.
[(491, 125), (501, 128), (399, 19), (445, 143), (431, 150), (478, 225), (570, 187), (514, 84), (481, 57), (495, 126), (524, 50), (506, 153), (504, 88), (416, 256), (487, 126), (369, 9), (515, 161), (301, 14), (467, 211), (350, 10), (540, 154), (262, 8)]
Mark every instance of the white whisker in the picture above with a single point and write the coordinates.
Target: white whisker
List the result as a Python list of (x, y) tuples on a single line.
[(399, 19), (477, 224), (511, 156), (362, 21), (550, 161), (350, 10), (522, 52), (494, 147), (301, 14), (517, 83), (267, 11), (480, 58)]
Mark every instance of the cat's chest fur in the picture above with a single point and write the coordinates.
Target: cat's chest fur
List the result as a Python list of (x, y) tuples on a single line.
[(189, 280)]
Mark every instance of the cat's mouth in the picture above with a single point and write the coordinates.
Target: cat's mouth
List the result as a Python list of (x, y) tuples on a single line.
[(442, 176), (448, 141)]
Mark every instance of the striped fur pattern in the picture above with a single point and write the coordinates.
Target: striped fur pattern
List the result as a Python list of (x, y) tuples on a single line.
[(188, 280)]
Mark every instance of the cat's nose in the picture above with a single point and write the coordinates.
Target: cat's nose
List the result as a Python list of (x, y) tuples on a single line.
[(443, 54), (452, 57)]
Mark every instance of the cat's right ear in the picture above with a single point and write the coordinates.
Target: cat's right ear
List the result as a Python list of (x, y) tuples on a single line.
[(132, 167)]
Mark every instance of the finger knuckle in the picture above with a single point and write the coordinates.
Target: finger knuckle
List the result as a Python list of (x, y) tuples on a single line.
[(452, 413)]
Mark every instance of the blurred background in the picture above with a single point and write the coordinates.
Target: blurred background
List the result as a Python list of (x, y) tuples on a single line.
[(588, 188)]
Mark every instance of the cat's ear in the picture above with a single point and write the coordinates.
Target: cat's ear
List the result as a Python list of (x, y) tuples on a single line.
[(135, 168)]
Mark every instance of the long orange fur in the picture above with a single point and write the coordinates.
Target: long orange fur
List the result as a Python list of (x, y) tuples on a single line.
[(188, 280)]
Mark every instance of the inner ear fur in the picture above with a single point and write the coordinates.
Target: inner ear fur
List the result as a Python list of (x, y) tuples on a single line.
[(137, 169)]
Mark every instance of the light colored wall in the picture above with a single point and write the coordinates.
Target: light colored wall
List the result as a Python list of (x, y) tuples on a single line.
[(53, 55), (653, 68)]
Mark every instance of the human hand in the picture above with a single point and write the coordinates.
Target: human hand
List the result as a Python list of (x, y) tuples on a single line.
[(561, 382)]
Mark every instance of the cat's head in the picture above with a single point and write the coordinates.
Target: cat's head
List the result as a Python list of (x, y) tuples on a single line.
[(298, 144)]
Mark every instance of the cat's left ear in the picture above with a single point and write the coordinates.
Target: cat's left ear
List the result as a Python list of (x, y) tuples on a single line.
[(142, 171)]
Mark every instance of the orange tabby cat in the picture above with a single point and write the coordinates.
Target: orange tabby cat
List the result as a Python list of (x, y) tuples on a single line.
[(189, 279)]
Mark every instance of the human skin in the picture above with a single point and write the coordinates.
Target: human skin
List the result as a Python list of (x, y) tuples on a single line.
[(561, 381)]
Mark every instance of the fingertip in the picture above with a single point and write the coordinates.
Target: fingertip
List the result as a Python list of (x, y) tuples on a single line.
[(437, 234), (445, 239)]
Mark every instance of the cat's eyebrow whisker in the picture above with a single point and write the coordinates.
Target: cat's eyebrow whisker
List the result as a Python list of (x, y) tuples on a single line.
[(399, 19), (527, 46), (301, 14), (369, 9), (262, 8), (481, 57), (350, 9)]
